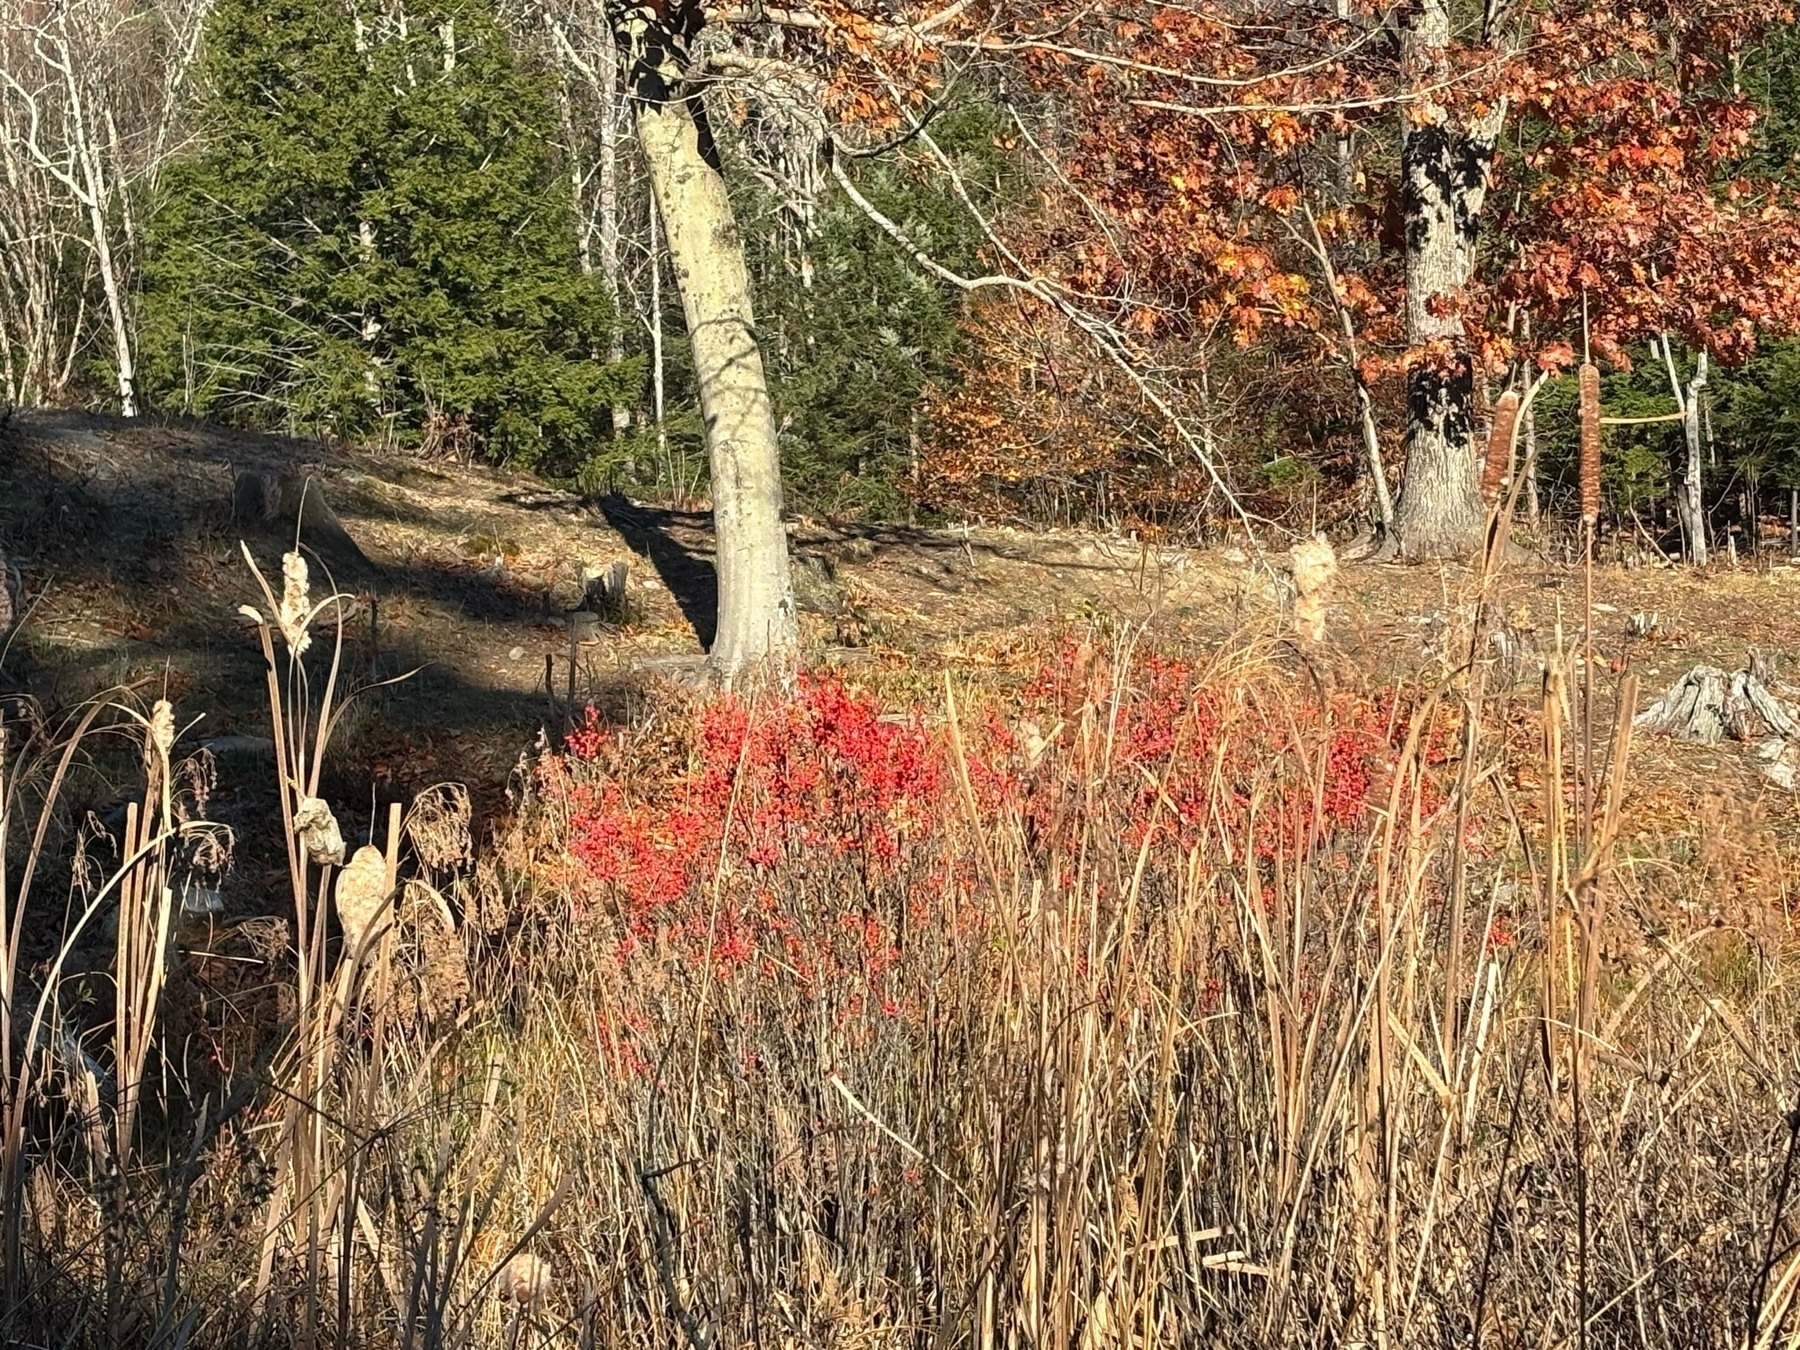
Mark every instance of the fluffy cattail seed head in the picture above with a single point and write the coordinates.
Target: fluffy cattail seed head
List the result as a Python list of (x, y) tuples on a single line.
[(318, 831), (162, 727), (1590, 442), (361, 895), (1313, 564), (1498, 464), (295, 602)]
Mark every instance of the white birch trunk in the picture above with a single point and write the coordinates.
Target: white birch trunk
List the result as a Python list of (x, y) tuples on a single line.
[(608, 208), (756, 621), (96, 197), (656, 351), (1693, 497)]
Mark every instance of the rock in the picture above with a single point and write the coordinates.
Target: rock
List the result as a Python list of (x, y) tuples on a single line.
[(816, 586), (585, 626), (198, 901), (251, 747)]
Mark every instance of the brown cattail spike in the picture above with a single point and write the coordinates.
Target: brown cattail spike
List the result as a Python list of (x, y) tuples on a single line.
[(1590, 442), (1498, 465)]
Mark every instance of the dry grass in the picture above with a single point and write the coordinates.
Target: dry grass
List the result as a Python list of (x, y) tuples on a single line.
[(1149, 1004)]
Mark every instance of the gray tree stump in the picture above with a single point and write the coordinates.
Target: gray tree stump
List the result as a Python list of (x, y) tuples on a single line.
[(1708, 706), (264, 500), (604, 591)]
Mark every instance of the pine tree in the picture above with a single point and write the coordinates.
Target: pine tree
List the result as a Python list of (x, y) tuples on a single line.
[(854, 344), (374, 240)]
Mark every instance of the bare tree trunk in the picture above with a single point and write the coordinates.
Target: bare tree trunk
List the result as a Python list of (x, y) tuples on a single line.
[(608, 206), (1529, 468), (1750, 509), (756, 600), (656, 354), (121, 326), (9, 396), (593, 50), (1693, 499), (96, 196), (1384, 501), (1444, 170)]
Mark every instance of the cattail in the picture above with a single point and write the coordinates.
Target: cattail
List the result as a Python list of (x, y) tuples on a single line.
[(1313, 564), (1590, 442), (162, 727), (318, 831), (362, 894), (295, 599), (1500, 446)]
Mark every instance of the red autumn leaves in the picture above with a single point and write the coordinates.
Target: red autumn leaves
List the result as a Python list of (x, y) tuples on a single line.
[(824, 845)]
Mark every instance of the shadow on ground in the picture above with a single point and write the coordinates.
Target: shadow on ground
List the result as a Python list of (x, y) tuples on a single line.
[(133, 577), (679, 545)]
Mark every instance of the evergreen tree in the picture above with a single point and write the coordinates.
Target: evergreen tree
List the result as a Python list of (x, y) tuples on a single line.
[(1758, 408), (375, 239), (854, 343)]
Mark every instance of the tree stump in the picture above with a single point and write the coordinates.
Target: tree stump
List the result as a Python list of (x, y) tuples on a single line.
[(1707, 706), (262, 500), (604, 592), (255, 497)]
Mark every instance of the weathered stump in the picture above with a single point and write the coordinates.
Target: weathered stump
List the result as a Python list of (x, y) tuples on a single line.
[(604, 591), (1708, 706), (262, 500)]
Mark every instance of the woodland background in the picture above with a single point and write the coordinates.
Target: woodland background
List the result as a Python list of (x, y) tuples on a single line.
[(426, 227), (1098, 941)]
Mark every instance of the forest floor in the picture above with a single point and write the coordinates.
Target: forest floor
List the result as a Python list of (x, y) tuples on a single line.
[(125, 538)]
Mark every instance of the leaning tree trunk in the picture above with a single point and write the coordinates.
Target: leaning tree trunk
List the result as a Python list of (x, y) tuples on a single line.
[(1444, 171), (756, 599)]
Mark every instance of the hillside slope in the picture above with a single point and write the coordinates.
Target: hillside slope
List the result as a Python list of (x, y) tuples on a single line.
[(125, 538)]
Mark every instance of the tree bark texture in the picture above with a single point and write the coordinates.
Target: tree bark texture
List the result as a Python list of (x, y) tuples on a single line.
[(756, 620), (1444, 169)]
